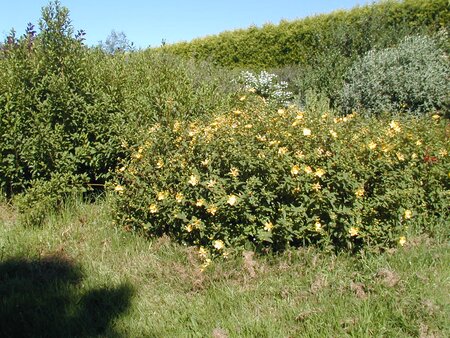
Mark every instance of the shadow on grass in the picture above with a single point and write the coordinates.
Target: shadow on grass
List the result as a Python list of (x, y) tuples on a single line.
[(44, 298)]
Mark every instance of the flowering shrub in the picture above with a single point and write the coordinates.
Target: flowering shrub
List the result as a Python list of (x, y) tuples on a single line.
[(267, 86), (274, 178)]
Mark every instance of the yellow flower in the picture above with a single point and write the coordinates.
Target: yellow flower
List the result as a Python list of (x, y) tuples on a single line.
[(359, 192), (237, 112), (232, 199), (193, 225), (319, 172), (395, 126), (261, 138), (308, 169), (205, 264), (122, 169), (372, 145), (333, 133), (179, 197), (119, 188), (400, 156), (282, 150), (154, 128), (251, 90), (299, 115), (386, 148), (211, 183), (418, 143), (234, 172), (306, 132), (407, 214), (192, 132), (153, 208), (242, 98), (218, 244), (316, 186), (443, 152), (318, 226), (295, 170), (402, 240), (248, 126), (203, 252), (160, 164), (161, 195), (274, 142), (176, 126), (193, 180), (205, 162), (268, 226), (212, 209), (353, 231), (137, 156), (200, 202), (299, 154), (435, 117), (281, 111)]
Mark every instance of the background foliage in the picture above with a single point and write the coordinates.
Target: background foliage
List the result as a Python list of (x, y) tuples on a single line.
[(316, 52), (225, 159)]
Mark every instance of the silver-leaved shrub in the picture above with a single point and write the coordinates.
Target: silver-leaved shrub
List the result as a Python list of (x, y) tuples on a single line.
[(411, 78)]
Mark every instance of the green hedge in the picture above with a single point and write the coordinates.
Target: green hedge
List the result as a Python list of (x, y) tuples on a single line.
[(308, 41)]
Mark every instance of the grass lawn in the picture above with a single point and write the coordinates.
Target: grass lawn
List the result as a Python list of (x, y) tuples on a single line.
[(78, 275)]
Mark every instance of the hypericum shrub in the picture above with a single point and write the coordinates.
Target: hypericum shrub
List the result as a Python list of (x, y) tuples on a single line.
[(268, 179), (267, 86), (411, 78)]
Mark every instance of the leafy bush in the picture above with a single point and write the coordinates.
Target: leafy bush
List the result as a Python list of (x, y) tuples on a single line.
[(270, 179), (412, 77), (54, 117)]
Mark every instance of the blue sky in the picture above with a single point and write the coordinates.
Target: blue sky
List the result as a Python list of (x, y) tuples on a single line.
[(147, 23)]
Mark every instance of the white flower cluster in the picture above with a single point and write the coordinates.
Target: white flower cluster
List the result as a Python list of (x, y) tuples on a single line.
[(267, 85)]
